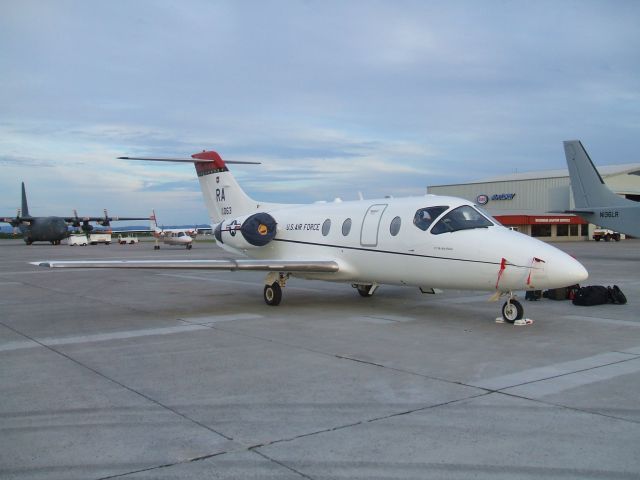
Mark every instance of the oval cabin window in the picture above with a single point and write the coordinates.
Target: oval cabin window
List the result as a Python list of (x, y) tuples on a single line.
[(394, 228)]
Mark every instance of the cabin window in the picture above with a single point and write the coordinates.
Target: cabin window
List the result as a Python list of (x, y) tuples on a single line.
[(425, 216), (461, 218), (346, 227), (394, 228), (326, 226)]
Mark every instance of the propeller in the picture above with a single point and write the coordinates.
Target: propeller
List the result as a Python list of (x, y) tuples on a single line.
[(107, 220), (76, 219)]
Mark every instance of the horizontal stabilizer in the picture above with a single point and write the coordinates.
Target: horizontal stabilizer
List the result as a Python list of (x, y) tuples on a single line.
[(316, 266), (576, 211), (186, 160)]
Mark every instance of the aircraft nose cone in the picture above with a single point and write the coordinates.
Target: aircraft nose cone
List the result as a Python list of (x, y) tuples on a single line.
[(566, 271)]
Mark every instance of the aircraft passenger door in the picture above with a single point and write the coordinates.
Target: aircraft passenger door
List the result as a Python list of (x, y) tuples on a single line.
[(370, 225)]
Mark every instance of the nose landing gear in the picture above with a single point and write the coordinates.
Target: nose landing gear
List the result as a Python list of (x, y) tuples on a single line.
[(512, 310)]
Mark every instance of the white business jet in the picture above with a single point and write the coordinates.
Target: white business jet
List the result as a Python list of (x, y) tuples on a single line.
[(171, 236), (429, 242)]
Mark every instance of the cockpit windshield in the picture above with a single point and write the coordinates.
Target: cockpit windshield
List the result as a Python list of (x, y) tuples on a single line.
[(461, 218), (487, 215), (425, 216)]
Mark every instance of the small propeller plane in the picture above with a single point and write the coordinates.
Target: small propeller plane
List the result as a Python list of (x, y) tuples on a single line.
[(171, 236), (429, 242), (54, 229)]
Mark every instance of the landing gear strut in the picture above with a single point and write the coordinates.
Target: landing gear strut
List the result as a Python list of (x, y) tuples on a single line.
[(365, 290)]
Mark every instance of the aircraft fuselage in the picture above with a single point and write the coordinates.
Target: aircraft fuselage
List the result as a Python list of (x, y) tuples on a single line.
[(383, 241), (44, 229), (624, 218)]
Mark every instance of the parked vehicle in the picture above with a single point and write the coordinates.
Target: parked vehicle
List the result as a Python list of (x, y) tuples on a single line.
[(96, 238), (606, 235), (74, 240), (128, 240)]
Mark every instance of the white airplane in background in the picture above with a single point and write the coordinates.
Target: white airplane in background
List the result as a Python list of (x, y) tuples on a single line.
[(171, 236), (427, 242)]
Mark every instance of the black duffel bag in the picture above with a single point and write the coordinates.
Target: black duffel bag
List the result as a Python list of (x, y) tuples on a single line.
[(592, 295), (616, 295)]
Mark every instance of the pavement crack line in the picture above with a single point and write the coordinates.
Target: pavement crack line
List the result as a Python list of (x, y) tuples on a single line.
[(569, 407), (485, 391), (167, 465), (365, 421), (282, 464), (565, 374), (116, 382), (332, 355)]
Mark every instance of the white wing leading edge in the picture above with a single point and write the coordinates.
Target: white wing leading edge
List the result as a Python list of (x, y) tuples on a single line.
[(316, 266)]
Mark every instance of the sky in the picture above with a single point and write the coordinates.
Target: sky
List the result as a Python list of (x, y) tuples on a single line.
[(333, 97)]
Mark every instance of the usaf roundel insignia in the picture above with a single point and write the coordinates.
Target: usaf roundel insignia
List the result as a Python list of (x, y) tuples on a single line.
[(482, 199)]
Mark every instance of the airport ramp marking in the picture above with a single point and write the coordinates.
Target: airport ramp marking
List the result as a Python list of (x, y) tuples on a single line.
[(211, 319), (605, 321), (632, 350), (552, 371), (100, 337), (382, 319), (555, 385)]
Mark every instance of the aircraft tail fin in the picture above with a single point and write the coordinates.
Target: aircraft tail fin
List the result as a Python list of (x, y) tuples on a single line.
[(223, 196), (25, 207), (153, 224), (589, 190)]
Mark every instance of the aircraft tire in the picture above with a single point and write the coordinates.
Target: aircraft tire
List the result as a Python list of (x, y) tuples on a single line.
[(512, 311), (189, 247), (273, 294), (363, 290)]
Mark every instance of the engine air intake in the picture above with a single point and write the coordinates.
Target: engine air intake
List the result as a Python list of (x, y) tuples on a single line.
[(259, 229)]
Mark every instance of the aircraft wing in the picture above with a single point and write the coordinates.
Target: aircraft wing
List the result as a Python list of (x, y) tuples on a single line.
[(315, 266), (71, 219), (142, 230)]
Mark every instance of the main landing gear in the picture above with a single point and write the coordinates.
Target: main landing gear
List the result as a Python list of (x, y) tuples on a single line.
[(274, 283), (365, 290)]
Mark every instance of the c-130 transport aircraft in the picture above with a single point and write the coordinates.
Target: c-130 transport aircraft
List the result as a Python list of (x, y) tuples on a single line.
[(427, 242)]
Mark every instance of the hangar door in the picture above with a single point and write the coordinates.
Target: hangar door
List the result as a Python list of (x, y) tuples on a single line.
[(370, 225)]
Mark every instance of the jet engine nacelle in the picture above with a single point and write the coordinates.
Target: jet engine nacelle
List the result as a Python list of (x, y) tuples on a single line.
[(248, 232)]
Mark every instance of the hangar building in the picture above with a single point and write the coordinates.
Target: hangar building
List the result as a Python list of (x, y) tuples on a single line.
[(523, 201)]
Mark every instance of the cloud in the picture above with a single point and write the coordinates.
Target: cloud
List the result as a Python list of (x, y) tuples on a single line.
[(332, 97)]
